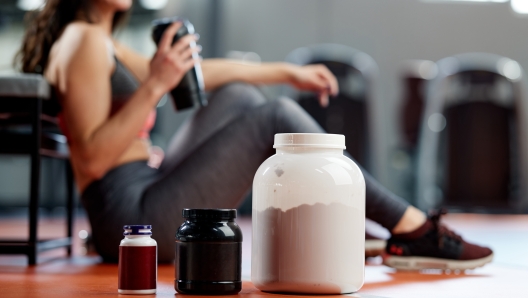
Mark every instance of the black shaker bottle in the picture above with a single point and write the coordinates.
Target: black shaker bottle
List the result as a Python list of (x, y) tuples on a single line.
[(190, 92)]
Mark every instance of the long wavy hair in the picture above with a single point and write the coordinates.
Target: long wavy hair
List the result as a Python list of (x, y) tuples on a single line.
[(46, 25)]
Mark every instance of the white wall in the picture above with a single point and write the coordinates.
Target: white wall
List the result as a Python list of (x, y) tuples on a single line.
[(10, 40)]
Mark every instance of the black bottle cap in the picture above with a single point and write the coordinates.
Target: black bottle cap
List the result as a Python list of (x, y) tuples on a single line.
[(209, 213)]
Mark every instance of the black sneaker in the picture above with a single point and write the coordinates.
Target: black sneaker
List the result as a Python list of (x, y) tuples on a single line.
[(434, 246)]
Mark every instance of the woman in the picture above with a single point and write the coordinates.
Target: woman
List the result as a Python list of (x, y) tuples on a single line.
[(108, 94)]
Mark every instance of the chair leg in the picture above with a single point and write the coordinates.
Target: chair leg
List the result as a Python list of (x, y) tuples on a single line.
[(70, 206), (33, 213), (34, 186), (32, 256)]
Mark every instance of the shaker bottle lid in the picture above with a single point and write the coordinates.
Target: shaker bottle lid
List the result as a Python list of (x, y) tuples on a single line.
[(309, 140), (209, 213)]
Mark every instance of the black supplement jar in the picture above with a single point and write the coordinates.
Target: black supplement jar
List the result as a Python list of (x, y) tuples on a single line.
[(190, 91), (208, 253)]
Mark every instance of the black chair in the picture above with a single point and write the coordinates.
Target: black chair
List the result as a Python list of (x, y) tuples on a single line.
[(414, 77), (474, 136), (28, 126), (350, 112)]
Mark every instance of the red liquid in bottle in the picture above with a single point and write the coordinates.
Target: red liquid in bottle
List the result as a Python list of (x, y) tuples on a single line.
[(137, 267)]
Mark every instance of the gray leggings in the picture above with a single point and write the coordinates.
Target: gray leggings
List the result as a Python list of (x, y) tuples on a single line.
[(210, 163)]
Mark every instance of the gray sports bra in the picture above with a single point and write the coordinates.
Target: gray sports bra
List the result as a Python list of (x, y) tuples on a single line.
[(123, 82)]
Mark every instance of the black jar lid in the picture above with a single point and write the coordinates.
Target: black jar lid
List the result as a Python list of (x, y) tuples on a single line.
[(220, 214)]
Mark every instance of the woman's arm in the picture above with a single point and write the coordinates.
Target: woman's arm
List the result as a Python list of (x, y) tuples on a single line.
[(316, 78), (97, 138), (218, 72)]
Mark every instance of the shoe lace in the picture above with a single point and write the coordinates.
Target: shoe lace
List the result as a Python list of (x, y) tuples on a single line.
[(442, 230)]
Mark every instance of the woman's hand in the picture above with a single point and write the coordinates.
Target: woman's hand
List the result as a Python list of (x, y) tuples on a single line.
[(171, 62), (316, 78)]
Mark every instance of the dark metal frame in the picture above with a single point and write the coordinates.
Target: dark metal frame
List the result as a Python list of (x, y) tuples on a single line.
[(366, 68), (429, 141), (32, 144)]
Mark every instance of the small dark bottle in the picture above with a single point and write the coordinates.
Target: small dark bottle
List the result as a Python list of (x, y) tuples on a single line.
[(209, 253), (138, 261), (190, 92)]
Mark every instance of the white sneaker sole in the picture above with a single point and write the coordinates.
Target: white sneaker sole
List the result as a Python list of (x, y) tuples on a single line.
[(422, 263)]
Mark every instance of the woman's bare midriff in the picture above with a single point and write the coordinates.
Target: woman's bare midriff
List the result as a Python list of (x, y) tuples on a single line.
[(138, 150)]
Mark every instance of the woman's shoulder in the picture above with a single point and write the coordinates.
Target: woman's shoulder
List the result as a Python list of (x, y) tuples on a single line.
[(81, 40), (83, 29), (79, 34), (80, 43)]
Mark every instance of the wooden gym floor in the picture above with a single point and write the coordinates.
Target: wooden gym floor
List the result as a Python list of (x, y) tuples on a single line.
[(85, 276)]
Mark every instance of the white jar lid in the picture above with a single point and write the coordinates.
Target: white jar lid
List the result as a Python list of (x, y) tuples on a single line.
[(309, 140)]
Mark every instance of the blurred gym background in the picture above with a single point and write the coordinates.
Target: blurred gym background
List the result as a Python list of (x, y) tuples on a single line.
[(433, 97)]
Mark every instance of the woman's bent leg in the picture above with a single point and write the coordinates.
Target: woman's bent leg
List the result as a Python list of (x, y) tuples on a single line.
[(217, 172), (225, 104)]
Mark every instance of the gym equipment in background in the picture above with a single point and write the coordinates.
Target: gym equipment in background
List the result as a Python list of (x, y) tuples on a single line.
[(28, 126), (352, 112), (474, 138)]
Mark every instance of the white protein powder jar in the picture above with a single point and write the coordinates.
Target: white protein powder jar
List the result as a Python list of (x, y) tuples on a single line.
[(308, 218)]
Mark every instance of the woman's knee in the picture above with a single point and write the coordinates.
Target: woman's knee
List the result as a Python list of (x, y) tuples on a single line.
[(291, 117), (287, 106), (238, 93)]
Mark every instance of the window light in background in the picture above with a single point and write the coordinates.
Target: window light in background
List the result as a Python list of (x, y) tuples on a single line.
[(28, 5), (520, 6), (437, 122), (248, 57), (510, 69), (494, 1), (154, 4)]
